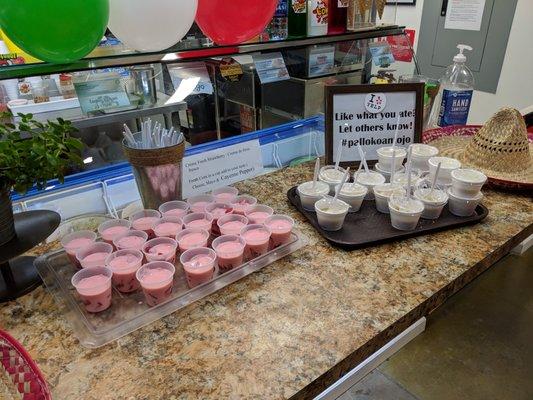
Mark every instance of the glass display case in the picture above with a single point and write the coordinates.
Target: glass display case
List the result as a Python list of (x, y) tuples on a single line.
[(211, 93)]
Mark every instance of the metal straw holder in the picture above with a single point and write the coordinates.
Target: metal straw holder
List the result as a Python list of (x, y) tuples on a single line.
[(157, 173)]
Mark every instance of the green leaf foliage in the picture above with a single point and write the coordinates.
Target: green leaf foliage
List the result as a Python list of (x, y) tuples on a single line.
[(33, 152)]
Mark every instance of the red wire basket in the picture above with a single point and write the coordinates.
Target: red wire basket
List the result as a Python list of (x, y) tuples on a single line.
[(21, 371)]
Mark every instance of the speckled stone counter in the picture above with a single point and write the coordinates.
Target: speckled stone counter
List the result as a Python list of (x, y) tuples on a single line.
[(288, 331)]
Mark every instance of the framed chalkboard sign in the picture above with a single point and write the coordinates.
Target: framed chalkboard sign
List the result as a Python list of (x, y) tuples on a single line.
[(368, 115)]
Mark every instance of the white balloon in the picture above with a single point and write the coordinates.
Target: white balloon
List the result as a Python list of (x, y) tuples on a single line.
[(151, 25)]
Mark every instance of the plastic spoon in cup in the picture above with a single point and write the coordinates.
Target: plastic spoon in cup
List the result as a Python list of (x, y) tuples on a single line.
[(434, 180), (339, 187), (409, 173), (339, 155), (317, 170), (393, 169), (363, 158), (395, 141), (356, 177)]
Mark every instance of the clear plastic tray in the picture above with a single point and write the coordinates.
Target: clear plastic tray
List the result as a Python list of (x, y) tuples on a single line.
[(129, 312)]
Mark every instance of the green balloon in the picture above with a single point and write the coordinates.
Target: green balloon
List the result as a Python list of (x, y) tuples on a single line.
[(57, 31)]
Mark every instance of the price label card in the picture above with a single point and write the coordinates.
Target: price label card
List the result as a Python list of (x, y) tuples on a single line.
[(191, 78), (101, 92), (271, 67), (210, 170), (321, 61)]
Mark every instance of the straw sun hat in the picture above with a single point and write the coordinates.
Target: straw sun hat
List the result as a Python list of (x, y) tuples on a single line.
[(500, 149)]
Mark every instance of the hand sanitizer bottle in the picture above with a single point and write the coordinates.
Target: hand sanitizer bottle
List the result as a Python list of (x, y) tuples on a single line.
[(455, 93)]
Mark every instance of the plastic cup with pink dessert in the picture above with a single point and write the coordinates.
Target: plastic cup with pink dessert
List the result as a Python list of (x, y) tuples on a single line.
[(257, 239), (94, 288), (157, 280), (311, 192), (218, 210), (144, 221), (258, 214), (168, 226), (199, 265), (124, 265), (198, 203), (76, 241), (242, 203), (133, 240), (226, 194), (281, 227), (174, 209), (201, 220), (191, 238), (160, 249), (109, 230), (230, 251), (232, 224), (94, 255)]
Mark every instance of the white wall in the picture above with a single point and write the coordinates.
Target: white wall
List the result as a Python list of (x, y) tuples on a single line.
[(515, 87)]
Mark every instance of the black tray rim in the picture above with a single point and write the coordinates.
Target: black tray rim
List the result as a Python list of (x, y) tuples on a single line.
[(292, 195)]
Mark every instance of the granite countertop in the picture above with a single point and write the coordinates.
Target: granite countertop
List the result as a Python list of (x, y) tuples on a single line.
[(287, 331)]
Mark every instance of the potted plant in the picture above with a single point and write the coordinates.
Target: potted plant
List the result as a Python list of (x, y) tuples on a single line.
[(31, 154)]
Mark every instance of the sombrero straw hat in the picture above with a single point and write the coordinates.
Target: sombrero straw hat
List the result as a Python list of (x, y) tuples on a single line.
[(500, 149)]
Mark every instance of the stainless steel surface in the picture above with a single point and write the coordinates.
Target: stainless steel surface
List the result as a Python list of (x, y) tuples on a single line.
[(144, 84), (117, 60)]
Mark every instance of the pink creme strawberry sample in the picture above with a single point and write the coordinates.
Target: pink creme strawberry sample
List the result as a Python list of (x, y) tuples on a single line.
[(281, 227), (199, 265), (94, 288), (157, 280), (124, 264), (257, 239), (230, 252)]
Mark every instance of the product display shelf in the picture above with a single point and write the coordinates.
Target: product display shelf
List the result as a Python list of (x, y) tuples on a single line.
[(120, 59)]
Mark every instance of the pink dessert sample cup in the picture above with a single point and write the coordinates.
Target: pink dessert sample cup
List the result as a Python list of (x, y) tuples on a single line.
[(199, 265), (109, 230), (160, 249), (94, 288), (257, 239), (218, 210), (225, 194), (124, 265), (230, 251), (191, 238), (281, 227), (258, 214), (168, 227), (174, 209), (131, 240), (201, 220), (198, 203), (156, 279), (232, 224), (242, 203), (94, 255), (76, 241), (144, 221)]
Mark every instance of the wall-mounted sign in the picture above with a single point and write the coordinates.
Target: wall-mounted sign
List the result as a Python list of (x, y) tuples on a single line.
[(368, 115), (210, 170)]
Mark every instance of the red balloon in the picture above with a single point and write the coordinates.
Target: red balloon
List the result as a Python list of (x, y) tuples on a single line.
[(228, 22)]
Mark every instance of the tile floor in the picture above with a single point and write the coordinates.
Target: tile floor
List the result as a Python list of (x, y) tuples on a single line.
[(477, 346)]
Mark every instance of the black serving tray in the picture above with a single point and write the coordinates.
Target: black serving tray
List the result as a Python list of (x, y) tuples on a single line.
[(369, 227)]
